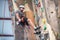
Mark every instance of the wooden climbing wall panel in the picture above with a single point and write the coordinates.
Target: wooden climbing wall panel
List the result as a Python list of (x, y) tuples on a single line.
[(29, 13)]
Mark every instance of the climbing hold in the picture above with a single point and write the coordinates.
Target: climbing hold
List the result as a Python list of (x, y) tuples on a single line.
[(36, 2), (14, 0), (42, 9), (39, 5), (45, 27), (25, 2), (44, 20), (34, 15)]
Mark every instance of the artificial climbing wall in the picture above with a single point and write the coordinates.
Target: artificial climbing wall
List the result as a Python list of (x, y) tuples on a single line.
[(52, 15)]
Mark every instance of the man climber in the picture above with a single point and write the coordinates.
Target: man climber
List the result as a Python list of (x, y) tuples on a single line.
[(22, 19)]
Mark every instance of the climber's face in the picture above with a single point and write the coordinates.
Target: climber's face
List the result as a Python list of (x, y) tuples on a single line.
[(21, 9)]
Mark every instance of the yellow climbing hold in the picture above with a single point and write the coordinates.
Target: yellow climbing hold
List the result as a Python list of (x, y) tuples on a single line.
[(44, 20)]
